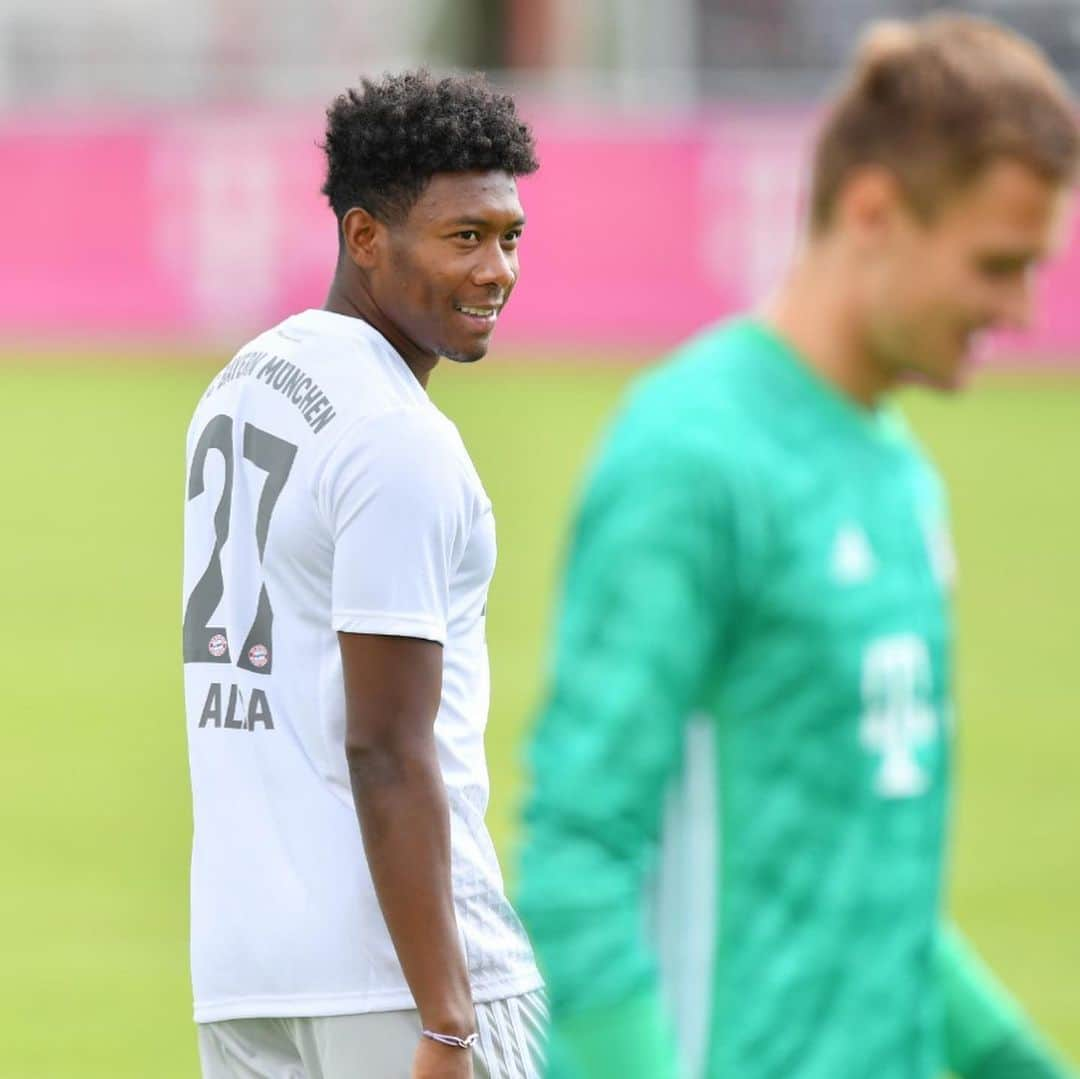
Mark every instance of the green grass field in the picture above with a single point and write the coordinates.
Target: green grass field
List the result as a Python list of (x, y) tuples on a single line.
[(93, 777)]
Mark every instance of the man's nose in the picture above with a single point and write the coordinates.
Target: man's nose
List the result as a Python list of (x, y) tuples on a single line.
[(496, 267)]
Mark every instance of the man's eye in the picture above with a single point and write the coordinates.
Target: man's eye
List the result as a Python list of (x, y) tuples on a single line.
[(469, 234), (512, 236), (1003, 268)]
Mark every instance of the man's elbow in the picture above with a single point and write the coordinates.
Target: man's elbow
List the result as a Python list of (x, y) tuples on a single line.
[(387, 756), (373, 765)]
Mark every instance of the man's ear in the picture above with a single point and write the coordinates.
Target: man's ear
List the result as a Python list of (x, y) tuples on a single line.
[(869, 204), (362, 237)]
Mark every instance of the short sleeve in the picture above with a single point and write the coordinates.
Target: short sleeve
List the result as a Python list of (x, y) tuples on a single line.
[(397, 502)]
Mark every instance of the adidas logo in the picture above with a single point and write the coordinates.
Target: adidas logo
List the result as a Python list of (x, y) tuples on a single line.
[(852, 558)]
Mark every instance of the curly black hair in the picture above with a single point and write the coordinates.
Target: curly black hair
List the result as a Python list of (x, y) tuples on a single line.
[(385, 140)]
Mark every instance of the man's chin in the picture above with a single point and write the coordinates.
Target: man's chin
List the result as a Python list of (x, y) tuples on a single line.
[(943, 381), (477, 352)]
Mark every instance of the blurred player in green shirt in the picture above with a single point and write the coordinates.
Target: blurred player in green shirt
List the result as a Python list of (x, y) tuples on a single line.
[(735, 840)]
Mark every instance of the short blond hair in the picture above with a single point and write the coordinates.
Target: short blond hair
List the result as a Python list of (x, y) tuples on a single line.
[(935, 101)]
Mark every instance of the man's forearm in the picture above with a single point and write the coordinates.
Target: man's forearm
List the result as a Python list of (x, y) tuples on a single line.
[(404, 818)]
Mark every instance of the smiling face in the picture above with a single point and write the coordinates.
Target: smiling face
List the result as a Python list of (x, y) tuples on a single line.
[(441, 276), (932, 287)]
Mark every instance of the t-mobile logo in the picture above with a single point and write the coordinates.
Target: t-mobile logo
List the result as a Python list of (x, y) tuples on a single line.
[(898, 717)]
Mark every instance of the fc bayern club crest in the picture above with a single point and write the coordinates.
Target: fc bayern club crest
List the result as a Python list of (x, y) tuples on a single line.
[(218, 645), (259, 655)]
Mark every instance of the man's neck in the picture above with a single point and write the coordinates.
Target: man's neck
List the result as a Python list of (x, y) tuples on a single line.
[(358, 303), (815, 312)]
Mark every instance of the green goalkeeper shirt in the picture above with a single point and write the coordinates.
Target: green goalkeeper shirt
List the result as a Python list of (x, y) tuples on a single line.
[(735, 836)]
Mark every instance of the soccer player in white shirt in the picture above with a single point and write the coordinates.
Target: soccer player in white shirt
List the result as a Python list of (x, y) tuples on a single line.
[(338, 551)]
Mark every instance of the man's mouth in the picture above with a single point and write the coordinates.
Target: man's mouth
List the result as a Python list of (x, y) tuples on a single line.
[(483, 314)]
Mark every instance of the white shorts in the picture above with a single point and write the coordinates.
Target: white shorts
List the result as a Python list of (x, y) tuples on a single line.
[(372, 1045)]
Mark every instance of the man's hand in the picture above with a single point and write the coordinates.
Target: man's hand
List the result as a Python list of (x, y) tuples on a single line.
[(435, 1061)]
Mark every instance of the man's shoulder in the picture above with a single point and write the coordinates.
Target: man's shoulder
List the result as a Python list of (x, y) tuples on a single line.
[(393, 426), (695, 401), (708, 371), (412, 447)]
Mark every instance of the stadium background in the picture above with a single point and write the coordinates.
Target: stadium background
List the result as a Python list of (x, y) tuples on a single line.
[(159, 175)]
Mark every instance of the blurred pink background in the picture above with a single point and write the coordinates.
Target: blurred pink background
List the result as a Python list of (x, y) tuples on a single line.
[(208, 225)]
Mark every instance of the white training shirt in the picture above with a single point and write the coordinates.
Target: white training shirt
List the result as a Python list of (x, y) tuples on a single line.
[(325, 492)]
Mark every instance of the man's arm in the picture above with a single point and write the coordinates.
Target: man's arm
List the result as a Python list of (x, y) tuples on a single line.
[(643, 605), (398, 504), (392, 690), (987, 1035)]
